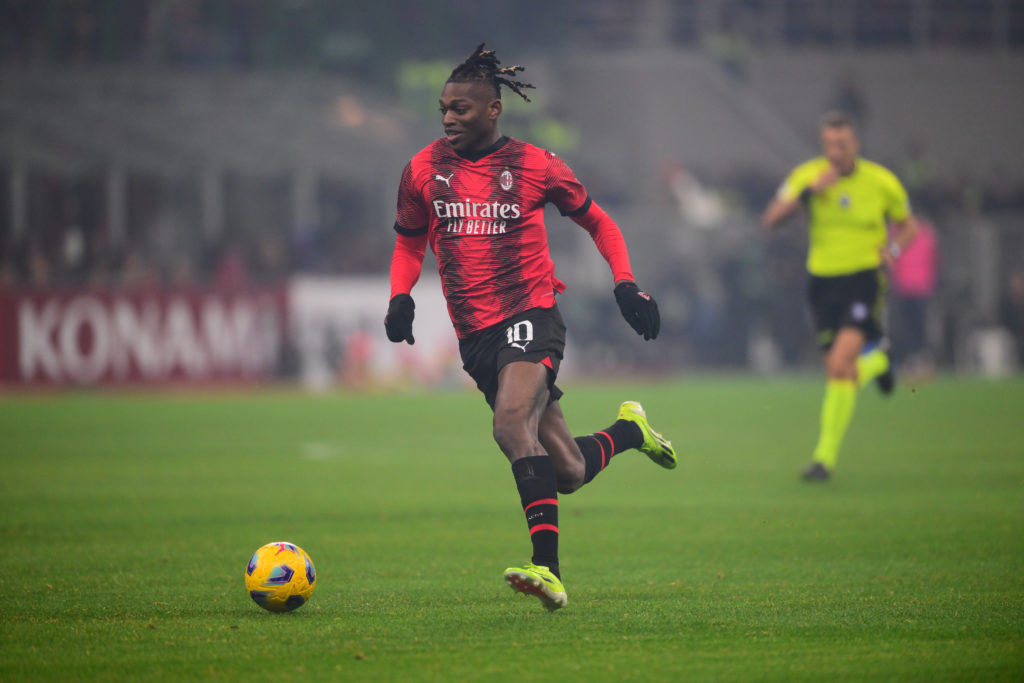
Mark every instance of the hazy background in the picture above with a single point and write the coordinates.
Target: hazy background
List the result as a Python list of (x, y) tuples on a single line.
[(211, 146)]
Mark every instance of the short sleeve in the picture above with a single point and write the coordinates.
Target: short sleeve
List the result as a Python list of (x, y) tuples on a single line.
[(562, 188), (898, 204), (411, 218)]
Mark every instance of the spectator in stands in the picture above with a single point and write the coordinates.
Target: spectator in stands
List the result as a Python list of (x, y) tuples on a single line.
[(136, 271), (729, 48), (232, 270), (914, 280), (40, 272), (182, 274)]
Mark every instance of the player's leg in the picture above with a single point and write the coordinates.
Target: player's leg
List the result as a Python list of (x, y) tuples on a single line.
[(568, 458), (518, 405), (527, 362), (579, 459), (841, 358), (873, 363), (839, 402), (520, 400)]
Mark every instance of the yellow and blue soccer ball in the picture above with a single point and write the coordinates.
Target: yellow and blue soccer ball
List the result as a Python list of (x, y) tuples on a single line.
[(280, 577)]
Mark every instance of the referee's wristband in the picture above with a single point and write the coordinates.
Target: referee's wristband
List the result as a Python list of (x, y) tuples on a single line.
[(894, 250)]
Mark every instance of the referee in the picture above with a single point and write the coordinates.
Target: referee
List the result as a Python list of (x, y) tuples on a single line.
[(851, 205)]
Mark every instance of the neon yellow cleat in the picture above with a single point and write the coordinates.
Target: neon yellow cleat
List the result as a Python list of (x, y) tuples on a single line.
[(655, 446), (534, 579)]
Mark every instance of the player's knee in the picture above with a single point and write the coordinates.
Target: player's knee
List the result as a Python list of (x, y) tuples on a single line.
[(511, 436), (570, 476), (503, 436), (838, 367)]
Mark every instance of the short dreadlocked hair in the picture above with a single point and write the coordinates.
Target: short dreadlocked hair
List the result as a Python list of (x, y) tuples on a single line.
[(482, 66)]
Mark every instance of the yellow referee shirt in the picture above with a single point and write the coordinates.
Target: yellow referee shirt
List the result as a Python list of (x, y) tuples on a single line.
[(847, 222)]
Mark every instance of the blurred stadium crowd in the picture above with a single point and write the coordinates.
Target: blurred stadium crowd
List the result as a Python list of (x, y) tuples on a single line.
[(185, 143)]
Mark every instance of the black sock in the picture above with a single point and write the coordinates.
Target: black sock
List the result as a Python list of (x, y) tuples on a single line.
[(538, 492), (599, 447)]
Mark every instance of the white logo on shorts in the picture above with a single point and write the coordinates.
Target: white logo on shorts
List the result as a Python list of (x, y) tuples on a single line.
[(859, 311), (520, 334)]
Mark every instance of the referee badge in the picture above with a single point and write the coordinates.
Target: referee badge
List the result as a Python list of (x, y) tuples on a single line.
[(505, 180), (844, 200)]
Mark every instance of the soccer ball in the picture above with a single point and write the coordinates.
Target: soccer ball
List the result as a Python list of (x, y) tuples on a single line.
[(280, 577)]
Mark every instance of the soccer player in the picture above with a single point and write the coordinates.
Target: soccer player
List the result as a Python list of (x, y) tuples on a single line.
[(477, 197), (850, 201)]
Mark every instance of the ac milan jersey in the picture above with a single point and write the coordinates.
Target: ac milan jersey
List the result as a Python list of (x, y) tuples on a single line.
[(485, 222)]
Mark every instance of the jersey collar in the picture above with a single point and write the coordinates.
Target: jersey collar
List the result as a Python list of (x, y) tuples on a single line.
[(477, 156)]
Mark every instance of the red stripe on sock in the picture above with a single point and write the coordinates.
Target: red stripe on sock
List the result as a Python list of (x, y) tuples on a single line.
[(543, 527), (611, 443), (542, 501)]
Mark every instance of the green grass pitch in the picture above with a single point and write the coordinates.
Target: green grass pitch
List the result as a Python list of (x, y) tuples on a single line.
[(127, 521)]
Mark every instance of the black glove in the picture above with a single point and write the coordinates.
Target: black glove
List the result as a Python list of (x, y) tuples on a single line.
[(398, 321), (639, 309)]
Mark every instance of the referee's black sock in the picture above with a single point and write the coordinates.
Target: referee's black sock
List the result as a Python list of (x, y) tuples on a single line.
[(599, 447), (538, 492)]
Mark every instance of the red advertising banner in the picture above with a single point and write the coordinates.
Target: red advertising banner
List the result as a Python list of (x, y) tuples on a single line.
[(83, 337)]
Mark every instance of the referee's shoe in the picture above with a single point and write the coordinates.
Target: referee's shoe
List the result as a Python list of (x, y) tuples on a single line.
[(815, 472), (886, 381)]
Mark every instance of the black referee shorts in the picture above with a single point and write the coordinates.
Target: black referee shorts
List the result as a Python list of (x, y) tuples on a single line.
[(536, 335), (855, 300)]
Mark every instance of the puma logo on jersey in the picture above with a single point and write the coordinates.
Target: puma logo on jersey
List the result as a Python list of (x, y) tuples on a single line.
[(447, 181)]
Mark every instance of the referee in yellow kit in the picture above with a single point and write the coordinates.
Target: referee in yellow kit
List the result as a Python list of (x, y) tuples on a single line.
[(851, 203)]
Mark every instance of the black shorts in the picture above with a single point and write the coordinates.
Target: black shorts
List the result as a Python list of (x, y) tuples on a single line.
[(855, 300), (536, 335)]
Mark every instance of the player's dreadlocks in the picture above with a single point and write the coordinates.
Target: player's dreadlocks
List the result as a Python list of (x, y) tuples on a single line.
[(482, 66)]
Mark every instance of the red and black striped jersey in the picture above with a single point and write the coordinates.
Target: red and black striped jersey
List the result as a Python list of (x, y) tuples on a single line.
[(484, 219)]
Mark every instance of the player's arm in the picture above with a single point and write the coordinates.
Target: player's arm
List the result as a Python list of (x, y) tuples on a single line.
[(903, 233), (406, 260), (406, 264), (902, 224), (607, 237), (778, 210), (794, 192)]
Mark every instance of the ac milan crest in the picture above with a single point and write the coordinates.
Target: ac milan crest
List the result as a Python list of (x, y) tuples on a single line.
[(505, 180)]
